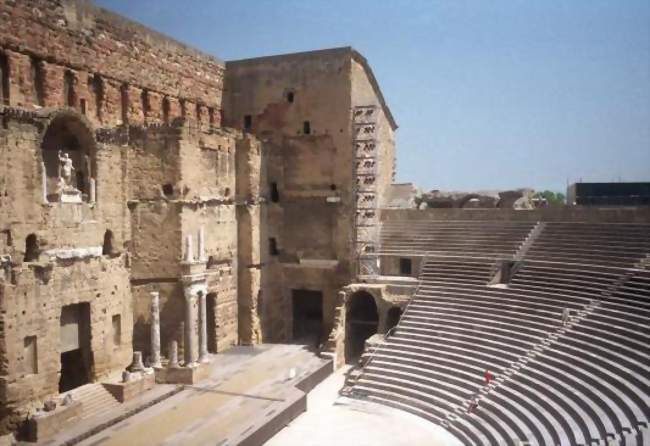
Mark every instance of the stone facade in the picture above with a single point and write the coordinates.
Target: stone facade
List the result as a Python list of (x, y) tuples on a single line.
[(313, 212), (119, 181)]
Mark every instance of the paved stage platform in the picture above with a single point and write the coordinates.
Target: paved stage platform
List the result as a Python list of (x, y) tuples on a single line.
[(250, 395)]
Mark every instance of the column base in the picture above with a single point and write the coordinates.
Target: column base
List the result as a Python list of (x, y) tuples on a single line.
[(191, 374)]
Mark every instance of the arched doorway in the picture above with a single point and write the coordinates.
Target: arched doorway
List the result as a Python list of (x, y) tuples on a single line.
[(362, 321), (68, 136), (392, 318)]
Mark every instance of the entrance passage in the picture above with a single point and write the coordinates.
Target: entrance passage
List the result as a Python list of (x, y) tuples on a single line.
[(211, 314), (362, 322), (393, 317), (75, 346), (307, 316)]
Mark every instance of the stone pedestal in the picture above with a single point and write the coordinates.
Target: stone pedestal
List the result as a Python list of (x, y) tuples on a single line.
[(126, 391), (183, 375), (155, 329)]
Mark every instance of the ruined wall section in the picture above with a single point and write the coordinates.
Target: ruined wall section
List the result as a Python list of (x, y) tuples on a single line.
[(250, 257), (105, 66), (183, 182), (31, 299), (298, 104), (56, 226)]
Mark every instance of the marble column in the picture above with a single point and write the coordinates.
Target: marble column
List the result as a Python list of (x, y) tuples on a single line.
[(155, 329), (189, 254), (203, 328), (190, 330), (173, 354), (201, 244), (93, 191), (44, 182)]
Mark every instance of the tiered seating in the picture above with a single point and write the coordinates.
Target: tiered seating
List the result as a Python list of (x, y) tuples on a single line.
[(578, 384), (488, 238), (617, 245)]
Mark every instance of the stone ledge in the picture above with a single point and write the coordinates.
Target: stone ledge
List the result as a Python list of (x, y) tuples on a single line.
[(49, 423), (182, 375)]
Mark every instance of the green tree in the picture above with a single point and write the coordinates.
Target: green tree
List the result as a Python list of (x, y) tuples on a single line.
[(553, 198)]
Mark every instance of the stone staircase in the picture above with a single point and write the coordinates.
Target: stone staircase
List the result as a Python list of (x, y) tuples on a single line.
[(95, 398), (529, 240)]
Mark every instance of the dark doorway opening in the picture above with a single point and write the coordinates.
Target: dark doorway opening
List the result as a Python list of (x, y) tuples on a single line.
[(76, 364), (307, 316), (211, 315), (405, 266), (362, 322), (393, 317)]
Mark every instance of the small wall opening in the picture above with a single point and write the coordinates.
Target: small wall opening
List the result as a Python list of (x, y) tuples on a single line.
[(116, 329), (405, 266), (4, 79), (97, 87), (199, 113), (38, 80), (307, 316), (168, 190), (275, 193), (144, 100), (107, 247), (273, 247), (124, 103), (69, 94), (165, 110), (30, 355), (211, 116), (392, 318), (32, 250), (290, 96), (183, 108), (362, 322), (306, 127), (248, 122)]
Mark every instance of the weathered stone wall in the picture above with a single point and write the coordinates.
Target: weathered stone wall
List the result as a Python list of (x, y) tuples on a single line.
[(299, 104), (115, 68), (30, 305), (250, 256)]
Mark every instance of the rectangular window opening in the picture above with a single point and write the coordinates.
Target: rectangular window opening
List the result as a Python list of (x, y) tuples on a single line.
[(405, 266), (306, 128), (273, 247), (116, 322), (30, 355), (248, 122), (275, 193)]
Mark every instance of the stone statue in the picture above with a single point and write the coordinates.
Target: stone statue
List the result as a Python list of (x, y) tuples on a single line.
[(65, 169)]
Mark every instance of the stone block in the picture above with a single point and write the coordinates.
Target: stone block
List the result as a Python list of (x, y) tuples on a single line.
[(46, 424), (127, 391)]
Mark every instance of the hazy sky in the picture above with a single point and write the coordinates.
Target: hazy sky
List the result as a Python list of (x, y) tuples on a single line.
[(487, 93)]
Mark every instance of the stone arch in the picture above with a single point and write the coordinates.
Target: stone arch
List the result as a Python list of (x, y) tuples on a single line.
[(108, 246), (32, 250), (72, 134), (362, 321)]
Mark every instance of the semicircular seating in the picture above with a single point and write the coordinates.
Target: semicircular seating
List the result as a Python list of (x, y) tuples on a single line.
[(584, 381)]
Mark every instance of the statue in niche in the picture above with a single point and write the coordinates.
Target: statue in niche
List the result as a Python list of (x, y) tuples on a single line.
[(67, 192), (65, 169)]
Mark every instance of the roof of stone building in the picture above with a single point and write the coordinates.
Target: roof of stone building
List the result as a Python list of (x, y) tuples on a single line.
[(346, 50)]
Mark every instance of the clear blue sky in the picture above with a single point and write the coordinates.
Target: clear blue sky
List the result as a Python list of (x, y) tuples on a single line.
[(487, 93)]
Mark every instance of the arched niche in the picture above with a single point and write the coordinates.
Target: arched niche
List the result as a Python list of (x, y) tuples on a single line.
[(68, 134), (362, 322)]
